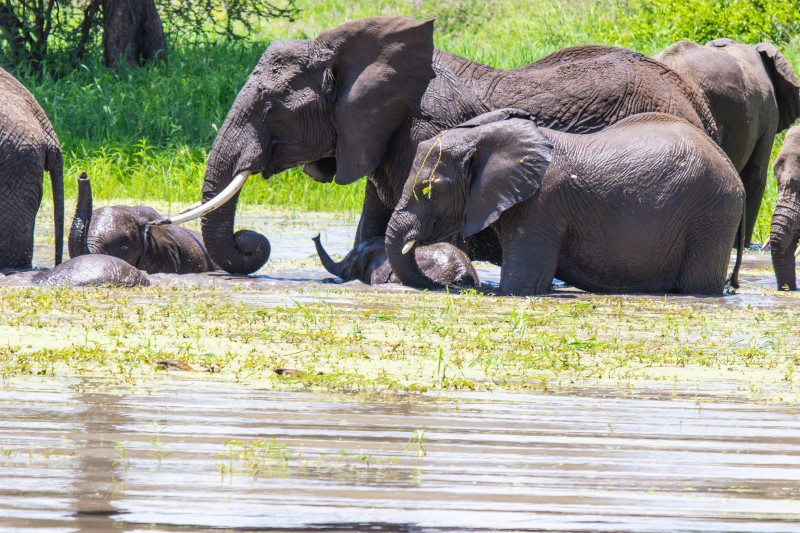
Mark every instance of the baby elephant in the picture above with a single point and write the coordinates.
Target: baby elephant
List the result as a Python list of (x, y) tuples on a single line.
[(650, 204), (785, 230), (441, 263), (125, 232), (93, 270)]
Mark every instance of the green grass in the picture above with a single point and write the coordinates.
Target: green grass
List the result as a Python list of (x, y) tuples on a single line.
[(145, 133)]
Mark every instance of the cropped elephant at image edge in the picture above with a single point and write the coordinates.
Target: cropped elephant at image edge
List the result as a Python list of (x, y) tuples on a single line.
[(28, 147)]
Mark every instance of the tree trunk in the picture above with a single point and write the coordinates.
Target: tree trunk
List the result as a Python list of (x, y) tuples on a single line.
[(132, 33)]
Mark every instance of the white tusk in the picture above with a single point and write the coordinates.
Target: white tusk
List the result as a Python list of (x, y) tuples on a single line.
[(766, 243), (220, 199), (408, 246), (193, 206), (797, 252)]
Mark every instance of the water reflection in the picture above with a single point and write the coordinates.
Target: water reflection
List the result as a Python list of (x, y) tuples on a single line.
[(204, 454)]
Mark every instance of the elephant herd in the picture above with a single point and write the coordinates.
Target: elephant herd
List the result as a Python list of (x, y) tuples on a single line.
[(608, 169)]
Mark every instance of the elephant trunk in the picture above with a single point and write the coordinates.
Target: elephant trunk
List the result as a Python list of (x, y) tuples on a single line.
[(783, 239), (78, 234), (337, 269), (245, 251), (402, 231)]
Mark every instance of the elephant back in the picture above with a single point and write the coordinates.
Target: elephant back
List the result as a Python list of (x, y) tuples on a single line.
[(637, 83)]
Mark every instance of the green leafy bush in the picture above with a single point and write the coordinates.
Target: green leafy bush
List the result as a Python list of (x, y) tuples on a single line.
[(667, 21)]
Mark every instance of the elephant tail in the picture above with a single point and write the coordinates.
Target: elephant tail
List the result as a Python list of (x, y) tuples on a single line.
[(55, 167), (733, 281)]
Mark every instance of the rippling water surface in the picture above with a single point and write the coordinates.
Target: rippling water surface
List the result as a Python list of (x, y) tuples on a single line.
[(195, 455)]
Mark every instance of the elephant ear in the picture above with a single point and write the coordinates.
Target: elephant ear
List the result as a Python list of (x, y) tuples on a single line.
[(382, 67), (785, 82), (507, 167)]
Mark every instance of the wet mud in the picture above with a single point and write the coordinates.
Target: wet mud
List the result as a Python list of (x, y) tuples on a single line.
[(81, 455)]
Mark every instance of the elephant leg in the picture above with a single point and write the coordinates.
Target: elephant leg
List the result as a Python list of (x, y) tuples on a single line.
[(20, 196), (374, 216), (754, 178), (706, 258), (529, 266)]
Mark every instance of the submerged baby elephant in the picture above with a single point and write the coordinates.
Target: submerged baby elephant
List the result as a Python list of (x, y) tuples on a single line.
[(126, 232), (785, 229), (650, 204), (441, 263), (94, 270)]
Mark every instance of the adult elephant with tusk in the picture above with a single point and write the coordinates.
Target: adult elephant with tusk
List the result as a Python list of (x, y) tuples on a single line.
[(357, 100)]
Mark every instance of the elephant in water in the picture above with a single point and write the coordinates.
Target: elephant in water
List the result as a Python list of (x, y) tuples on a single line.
[(357, 100), (752, 92), (442, 263), (129, 233), (650, 204), (785, 230), (28, 147), (93, 270)]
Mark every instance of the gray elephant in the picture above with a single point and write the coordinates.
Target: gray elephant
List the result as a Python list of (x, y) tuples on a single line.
[(93, 270), (129, 233), (650, 204), (358, 99), (28, 147), (752, 92), (785, 229), (442, 263)]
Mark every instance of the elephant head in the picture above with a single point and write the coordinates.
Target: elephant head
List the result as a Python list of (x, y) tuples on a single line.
[(122, 231), (331, 104), (462, 180)]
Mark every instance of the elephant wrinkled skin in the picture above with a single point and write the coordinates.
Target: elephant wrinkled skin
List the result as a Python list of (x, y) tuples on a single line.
[(127, 232), (357, 100), (785, 229), (28, 147), (752, 93), (650, 204)]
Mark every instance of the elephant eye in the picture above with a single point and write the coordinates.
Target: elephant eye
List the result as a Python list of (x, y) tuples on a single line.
[(329, 83)]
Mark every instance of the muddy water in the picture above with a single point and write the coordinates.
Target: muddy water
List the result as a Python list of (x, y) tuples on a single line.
[(80, 456), (294, 266)]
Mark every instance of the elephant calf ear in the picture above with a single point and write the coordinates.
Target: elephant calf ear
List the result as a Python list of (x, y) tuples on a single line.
[(508, 166), (785, 82), (382, 68)]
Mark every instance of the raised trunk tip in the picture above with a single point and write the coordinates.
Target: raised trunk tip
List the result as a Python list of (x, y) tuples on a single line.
[(330, 265), (79, 231)]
